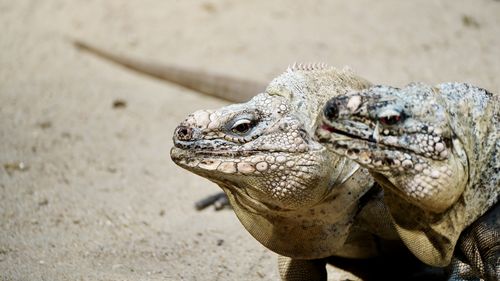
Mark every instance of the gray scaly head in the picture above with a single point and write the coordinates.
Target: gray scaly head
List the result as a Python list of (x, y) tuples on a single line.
[(407, 140)]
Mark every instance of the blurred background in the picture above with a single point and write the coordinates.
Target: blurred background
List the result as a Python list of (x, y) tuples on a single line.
[(87, 188)]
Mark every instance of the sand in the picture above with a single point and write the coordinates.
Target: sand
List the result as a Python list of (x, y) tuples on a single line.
[(87, 187)]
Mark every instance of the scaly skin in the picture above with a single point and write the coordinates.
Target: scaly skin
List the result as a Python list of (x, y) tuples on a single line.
[(435, 151), (290, 193)]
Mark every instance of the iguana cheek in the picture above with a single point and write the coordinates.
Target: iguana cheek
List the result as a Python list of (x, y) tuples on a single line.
[(261, 166), (227, 167), (428, 182), (245, 168), (210, 165)]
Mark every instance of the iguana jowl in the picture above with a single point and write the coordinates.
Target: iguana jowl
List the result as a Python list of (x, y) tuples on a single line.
[(436, 152)]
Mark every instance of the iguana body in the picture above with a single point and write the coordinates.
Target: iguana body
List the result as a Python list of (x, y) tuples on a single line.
[(436, 152)]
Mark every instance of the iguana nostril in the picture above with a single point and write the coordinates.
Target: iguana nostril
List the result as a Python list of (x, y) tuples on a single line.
[(183, 133), (331, 111)]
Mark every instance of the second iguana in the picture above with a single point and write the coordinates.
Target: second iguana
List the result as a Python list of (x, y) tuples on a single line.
[(436, 152)]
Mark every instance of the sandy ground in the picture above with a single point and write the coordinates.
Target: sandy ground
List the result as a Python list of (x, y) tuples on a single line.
[(88, 191)]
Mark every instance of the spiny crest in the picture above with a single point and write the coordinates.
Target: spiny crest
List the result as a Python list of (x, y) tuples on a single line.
[(308, 66)]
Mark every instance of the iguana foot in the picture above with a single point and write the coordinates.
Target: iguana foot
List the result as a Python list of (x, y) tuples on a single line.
[(218, 200), (478, 250), (297, 270)]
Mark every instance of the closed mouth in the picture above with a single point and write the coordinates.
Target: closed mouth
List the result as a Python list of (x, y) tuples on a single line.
[(332, 129), (336, 131), (178, 151)]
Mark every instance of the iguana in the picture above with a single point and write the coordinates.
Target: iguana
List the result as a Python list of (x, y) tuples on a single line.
[(301, 206), (435, 150)]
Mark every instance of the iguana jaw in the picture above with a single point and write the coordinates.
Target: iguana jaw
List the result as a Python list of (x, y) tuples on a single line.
[(280, 179), (213, 164)]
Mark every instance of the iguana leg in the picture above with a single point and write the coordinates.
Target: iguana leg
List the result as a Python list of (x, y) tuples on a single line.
[(478, 250), (298, 270), (218, 200), (402, 266)]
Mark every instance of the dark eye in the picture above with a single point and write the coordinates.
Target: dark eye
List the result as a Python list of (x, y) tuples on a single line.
[(390, 120), (242, 126)]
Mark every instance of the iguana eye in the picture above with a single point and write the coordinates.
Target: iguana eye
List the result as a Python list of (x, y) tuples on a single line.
[(242, 126), (390, 120)]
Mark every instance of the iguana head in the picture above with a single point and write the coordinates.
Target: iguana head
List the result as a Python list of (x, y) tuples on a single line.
[(263, 149), (404, 137), (258, 147)]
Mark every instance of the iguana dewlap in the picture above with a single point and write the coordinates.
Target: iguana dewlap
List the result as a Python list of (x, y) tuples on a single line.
[(434, 149)]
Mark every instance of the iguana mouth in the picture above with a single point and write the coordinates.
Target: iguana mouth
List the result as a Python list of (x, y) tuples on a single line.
[(336, 131), (228, 149), (227, 153), (215, 152)]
